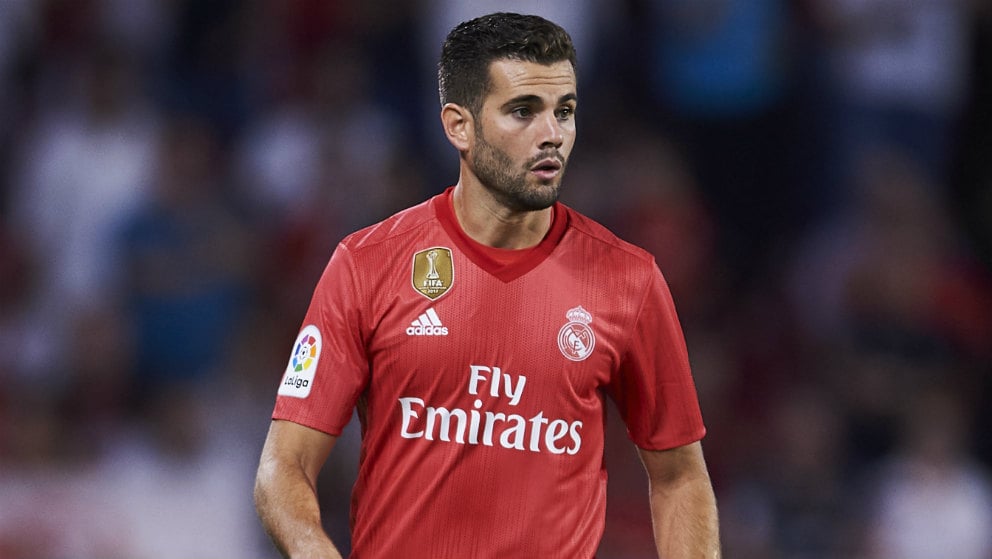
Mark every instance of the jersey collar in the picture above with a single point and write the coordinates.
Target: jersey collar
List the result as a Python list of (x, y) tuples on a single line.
[(506, 265)]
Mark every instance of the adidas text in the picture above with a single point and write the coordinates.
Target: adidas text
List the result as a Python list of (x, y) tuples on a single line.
[(427, 324), (427, 331)]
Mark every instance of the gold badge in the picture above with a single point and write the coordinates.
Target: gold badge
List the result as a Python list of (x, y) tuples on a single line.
[(433, 272)]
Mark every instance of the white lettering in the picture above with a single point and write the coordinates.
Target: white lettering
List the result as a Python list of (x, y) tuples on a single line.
[(574, 432), (496, 377), (408, 413), (473, 428), (494, 387), (427, 331), (474, 377), (491, 419), (457, 425), (515, 393), (445, 426), (516, 432), (557, 430), (535, 431)]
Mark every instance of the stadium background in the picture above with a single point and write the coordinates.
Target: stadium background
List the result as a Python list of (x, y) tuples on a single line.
[(814, 177)]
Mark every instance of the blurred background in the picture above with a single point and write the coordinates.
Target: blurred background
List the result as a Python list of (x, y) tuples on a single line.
[(813, 176)]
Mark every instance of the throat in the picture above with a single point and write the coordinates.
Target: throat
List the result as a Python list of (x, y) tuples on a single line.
[(493, 226)]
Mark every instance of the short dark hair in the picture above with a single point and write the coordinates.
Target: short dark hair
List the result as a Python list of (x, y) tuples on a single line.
[(471, 47)]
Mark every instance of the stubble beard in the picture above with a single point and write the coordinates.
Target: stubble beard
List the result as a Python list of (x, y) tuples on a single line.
[(508, 184)]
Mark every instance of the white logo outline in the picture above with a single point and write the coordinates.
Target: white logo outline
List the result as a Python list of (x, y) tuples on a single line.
[(576, 340)]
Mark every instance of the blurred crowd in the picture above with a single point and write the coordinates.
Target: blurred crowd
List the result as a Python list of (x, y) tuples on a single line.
[(814, 178)]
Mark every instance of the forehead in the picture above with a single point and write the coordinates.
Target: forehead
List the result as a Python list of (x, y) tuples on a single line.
[(510, 78)]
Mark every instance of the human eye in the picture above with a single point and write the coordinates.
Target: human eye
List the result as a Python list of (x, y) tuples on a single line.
[(522, 112), (565, 113)]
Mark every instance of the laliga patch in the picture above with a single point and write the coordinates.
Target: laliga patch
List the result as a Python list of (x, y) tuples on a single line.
[(298, 378), (433, 272)]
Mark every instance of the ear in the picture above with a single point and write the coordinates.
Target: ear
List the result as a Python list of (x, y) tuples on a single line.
[(459, 125)]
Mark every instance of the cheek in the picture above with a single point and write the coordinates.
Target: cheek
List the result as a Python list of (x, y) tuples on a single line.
[(569, 139), (508, 131), (567, 145), (507, 139), (510, 145), (569, 130)]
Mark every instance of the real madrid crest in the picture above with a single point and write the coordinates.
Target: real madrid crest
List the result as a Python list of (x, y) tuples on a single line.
[(576, 339), (433, 272)]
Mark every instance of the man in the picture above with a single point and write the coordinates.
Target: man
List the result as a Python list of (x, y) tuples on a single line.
[(478, 334)]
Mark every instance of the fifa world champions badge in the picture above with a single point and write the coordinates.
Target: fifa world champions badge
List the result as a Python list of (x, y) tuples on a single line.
[(576, 339), (433, 272)]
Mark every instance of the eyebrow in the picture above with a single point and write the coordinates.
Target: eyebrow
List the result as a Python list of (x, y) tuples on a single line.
[(534, 99)]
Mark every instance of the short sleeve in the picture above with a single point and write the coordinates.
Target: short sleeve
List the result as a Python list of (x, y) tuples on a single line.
[(328, 367), (653, 388)]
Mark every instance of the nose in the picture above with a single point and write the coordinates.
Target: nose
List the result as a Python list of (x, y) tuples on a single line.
[(551, 132)]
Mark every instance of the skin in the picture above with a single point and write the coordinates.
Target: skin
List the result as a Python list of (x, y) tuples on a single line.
[(512, 158), (286, 490), (683, 506), (527, 117)]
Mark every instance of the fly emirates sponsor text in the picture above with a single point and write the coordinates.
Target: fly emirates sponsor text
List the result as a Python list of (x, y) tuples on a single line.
[(483, 426)]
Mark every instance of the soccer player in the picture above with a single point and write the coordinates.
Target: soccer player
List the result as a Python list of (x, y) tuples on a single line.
[(479, 334)]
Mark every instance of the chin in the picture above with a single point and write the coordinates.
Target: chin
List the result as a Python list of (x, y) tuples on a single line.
[(540, 198)]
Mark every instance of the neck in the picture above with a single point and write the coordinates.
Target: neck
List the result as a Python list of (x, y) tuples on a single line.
[(490, 223)]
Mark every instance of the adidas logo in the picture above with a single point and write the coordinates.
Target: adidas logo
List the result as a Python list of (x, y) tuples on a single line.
[(427, 324)]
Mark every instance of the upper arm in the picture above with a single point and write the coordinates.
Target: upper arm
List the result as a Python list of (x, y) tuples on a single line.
[(683, 505), (675, 465), (291, 444), (286, 489), (653, 386)]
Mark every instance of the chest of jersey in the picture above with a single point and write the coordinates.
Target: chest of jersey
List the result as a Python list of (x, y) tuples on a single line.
[(459, 354)]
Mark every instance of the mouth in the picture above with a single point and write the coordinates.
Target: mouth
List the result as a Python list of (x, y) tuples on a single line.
[(547, 169)]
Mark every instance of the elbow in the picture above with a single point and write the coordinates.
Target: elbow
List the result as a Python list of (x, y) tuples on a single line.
[(263, 482), (258, 494)]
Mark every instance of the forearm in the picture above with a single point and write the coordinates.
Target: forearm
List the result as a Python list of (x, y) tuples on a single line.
[(684, 516), (286, 502)]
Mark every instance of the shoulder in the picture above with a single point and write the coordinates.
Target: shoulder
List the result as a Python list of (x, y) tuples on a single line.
[(366, 258), (603, 241), (398, 226)]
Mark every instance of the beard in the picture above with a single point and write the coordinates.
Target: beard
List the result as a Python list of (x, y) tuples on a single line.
[(509, 183)]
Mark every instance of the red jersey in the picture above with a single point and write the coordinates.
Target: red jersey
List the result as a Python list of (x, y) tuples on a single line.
[(480, 379)]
